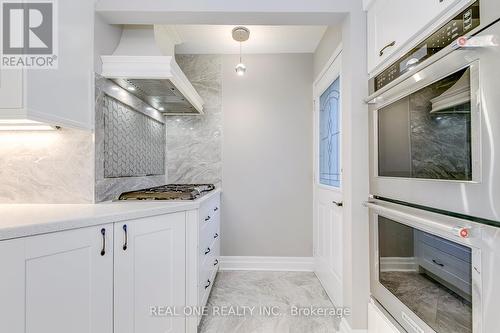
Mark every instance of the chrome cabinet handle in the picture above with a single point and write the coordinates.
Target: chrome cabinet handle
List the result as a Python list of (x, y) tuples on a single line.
[(207, 218), (103, 233), (437, 263), (216, 235), (338, 204), (391, 44), (216, 262), (125, 244), (207, 251), (216, 209), (208, 284)]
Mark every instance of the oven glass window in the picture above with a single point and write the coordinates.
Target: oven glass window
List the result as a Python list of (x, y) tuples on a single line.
[(430, 275), (428, 133)]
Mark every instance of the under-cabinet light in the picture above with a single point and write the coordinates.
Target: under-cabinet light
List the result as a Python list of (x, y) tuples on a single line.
[(24, 125)]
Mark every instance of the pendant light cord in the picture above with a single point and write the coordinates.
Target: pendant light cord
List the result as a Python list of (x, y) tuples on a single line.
[(240, 52)]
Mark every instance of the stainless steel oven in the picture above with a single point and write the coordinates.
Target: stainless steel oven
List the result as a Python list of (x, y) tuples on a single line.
[(435, 119), (434, 273)]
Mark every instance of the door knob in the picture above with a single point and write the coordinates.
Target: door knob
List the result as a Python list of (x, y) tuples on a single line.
[(338, 204)]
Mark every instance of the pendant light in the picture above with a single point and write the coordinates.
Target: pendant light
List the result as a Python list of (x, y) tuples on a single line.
[(241, 34)]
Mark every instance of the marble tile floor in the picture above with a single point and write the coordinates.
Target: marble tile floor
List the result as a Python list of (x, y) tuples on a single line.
[(439, 307), (264, 290)]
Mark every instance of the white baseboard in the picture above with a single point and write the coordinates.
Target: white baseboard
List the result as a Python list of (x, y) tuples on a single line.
[(292, 264), (398, 264), (344, 327)]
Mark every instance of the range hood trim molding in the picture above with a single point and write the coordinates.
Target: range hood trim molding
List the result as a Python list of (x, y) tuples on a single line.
[(159, 66)]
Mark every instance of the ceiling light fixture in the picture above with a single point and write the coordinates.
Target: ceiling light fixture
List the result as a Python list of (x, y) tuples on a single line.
[(241, 34)]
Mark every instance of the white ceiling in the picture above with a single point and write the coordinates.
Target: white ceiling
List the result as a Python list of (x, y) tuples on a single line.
[(217, 39)]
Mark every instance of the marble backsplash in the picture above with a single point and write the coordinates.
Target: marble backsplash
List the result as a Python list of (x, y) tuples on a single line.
[(107, 188), (47, 167), (194, 143)]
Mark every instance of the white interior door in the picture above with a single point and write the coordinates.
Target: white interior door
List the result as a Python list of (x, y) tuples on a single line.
[(150, 272), (328, 180)]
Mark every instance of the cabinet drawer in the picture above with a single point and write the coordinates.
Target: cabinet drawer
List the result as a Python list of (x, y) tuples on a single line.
[(459, 251), (451, 269), (208, 271), (209, 210), (208, 234)]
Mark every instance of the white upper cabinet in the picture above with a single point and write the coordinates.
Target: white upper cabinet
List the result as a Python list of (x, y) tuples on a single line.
[(392, 24), (61, 96), (60, 282)]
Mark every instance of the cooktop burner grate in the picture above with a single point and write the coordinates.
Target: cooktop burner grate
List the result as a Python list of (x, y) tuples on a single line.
[(169, 192)]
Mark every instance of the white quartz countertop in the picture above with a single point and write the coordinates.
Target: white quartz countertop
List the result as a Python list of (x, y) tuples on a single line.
[(21, 220)]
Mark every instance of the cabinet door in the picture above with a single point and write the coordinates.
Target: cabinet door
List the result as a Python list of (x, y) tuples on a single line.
[(58, 282), (11, 89), (149, 272), (392, 23), (65, 96)]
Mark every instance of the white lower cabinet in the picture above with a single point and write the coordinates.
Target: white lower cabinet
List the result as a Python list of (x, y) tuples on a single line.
[(60, 282), (114, 278), (149, 272)]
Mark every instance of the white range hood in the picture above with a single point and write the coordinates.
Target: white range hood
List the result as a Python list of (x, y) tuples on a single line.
[(144, 64)]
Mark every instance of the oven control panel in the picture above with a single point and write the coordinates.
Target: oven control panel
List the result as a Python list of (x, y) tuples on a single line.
[(460, 25)]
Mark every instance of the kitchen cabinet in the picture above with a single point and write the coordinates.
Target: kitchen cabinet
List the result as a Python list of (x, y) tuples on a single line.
[(62, 96), (393, 24), (202, 255), (11, 89), (58, 283), (107, 278), (209, 247), (149, 271)]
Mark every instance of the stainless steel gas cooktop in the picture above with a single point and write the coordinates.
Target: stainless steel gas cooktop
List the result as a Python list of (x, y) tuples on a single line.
[(169, 192)]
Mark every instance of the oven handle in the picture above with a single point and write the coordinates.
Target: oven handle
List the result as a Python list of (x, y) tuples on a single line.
[(420, 221)]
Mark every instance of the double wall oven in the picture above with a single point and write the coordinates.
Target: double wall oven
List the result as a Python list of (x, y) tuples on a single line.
[(435, 178)]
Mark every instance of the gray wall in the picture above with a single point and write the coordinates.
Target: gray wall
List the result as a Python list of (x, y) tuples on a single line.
[(395, 239), (267, 151), (327, 46)]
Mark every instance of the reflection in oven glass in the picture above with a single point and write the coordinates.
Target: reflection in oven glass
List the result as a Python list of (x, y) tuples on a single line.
[(428, 274), (428, 133)]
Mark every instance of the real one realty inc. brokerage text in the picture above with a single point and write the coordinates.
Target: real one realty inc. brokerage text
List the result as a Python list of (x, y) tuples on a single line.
[(242, 311)]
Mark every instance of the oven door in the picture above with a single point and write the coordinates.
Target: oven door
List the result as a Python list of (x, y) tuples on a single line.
[(423, 273), (435, 134)]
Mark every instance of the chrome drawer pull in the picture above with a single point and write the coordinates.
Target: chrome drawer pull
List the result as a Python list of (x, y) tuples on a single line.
[(216, 235), (207, 218), (437, 263), (216, 262), (338, 204), (391, 44), (208, 284), (103, 233), (207, 251)]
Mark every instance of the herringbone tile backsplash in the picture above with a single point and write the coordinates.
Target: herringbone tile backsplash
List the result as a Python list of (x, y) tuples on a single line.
[(134, 144)]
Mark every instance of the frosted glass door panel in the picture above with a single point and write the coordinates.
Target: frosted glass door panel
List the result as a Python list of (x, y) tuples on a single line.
[(329, 131)]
